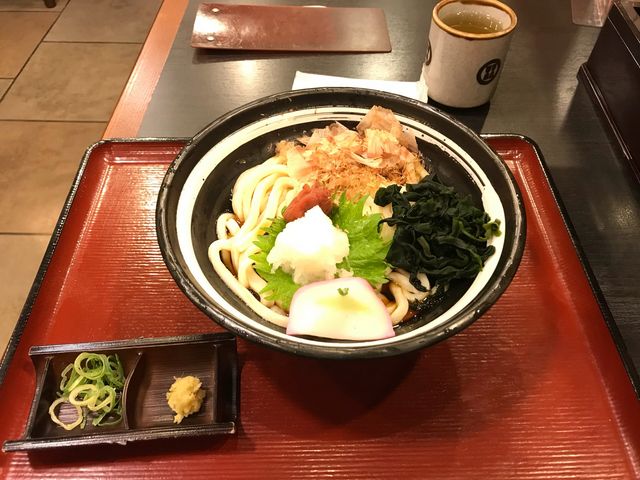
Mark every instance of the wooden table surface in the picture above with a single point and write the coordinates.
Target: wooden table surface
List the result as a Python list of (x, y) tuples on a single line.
[(175, 90)]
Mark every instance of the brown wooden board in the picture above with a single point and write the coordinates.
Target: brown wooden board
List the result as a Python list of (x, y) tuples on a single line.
[(289, 28)]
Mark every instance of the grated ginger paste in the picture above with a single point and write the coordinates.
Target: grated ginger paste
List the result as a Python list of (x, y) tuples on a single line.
[(185, 397)]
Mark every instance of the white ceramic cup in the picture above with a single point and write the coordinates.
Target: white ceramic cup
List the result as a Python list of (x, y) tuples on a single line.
[(462, 68)]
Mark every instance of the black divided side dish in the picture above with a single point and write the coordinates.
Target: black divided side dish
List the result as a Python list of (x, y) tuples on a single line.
[(150, 366), (214, 197)]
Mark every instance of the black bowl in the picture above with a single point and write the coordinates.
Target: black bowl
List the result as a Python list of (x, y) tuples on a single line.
[(197, 189)]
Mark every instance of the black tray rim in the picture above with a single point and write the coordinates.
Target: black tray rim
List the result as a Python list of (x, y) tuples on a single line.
[(25, 314)]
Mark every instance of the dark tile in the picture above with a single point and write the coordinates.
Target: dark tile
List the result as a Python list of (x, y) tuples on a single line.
[(39, 162), (4, 86), (22, 255), (105, 21), (70, 81), (20, 33), (30, 6)]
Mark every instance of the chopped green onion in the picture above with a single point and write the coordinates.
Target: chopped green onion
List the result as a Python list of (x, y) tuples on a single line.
[(93, 385), (54, 417), (94, 365), (89, 394), (111, 396)]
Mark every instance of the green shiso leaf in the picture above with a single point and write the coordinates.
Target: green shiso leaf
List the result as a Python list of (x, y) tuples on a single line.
[(367, 249), (366, 259), (280, 285)]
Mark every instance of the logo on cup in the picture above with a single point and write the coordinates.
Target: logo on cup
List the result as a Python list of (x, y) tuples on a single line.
[(428, 59), (488, 71)]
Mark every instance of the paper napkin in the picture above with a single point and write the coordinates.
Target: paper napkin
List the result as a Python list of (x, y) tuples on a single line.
[(416, 90)]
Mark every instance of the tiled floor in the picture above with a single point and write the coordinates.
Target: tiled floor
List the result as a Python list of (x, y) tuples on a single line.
[(61, 73)]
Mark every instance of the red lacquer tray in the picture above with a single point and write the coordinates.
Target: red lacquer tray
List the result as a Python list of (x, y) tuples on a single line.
[(534, 389)]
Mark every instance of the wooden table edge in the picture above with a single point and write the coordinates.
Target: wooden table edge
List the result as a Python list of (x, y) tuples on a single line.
[(132, 105)]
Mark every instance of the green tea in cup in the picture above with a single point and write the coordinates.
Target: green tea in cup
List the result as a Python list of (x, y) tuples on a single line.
[(472, 22), (467, 47)]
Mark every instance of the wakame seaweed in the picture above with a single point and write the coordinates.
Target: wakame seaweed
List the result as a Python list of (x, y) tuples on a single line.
[(438, 232)]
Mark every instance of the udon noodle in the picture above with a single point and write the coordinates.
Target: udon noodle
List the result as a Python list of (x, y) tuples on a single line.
[(262, 192)]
